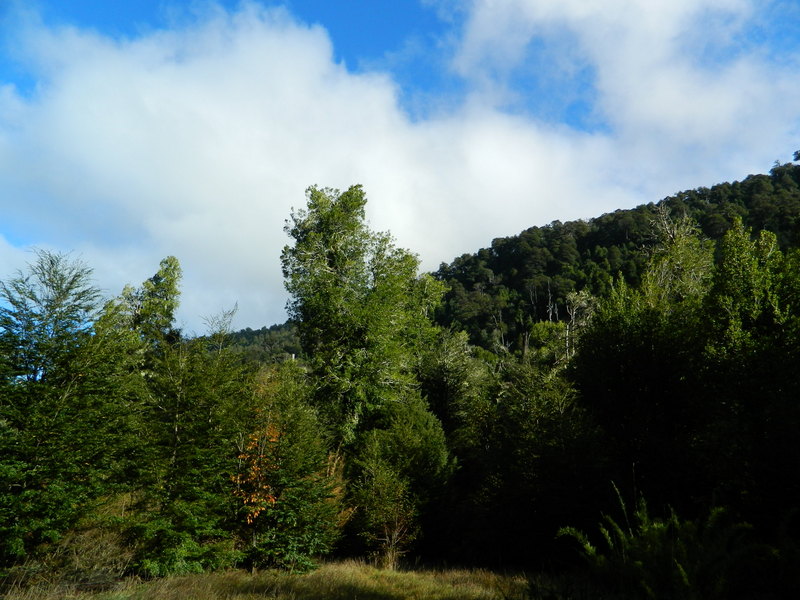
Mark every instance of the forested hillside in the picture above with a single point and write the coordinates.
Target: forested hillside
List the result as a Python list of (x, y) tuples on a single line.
[(498, 292), (611, 403), (268, 344)]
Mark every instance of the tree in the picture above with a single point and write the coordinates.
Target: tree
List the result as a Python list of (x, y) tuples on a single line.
[(150, 309), (639, 370), (364, 318), (361, 308), (692, 378), (46, 314), (193, 408), (681, 262), (454, 381), (64, 402), (387, 515), (744, 298), (285, 480), (750, 360), (401, 465)]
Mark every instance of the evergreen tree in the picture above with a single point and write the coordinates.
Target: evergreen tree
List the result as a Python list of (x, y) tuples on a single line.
[(65, 406), (190, 417), (750, 356), (285, 480), (401, 467), (639, 371)]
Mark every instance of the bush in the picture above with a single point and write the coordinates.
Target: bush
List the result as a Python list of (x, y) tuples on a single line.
[(650, 557)]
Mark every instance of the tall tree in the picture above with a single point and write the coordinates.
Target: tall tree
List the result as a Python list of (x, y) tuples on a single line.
[(750, 357), (360, 306), (639, 367), (364, 317), (191, 414)]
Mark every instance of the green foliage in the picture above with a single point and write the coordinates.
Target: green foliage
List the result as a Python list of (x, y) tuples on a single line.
[(750, 355), (696, 392), (744, 300), (387, 516), (638, 369), (631, 346), (497, 292), (453, 379), (152, 306), (64, 399), (289, 504), (361, 309), (363, 314), (650, 557), (401, 466), (165, 546), (680, 265), (532, 464), (267, 345), (45, 314), (189, 416), (411, 439)]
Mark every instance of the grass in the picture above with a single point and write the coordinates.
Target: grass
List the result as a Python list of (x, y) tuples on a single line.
[(335, 581)]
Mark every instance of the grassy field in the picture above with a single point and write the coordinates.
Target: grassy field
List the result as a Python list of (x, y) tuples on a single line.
[(336, 581)]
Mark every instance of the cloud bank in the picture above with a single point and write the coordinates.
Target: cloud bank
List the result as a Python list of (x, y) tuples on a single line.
[(197, 141)]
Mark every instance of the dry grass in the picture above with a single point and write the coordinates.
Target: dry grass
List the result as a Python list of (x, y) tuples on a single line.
[(336, 581)]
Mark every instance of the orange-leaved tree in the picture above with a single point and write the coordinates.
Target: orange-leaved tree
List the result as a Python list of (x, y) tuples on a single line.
[(288, 499)]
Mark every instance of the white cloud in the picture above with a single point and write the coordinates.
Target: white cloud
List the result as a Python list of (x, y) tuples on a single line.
[(677, 81), (198, 141)]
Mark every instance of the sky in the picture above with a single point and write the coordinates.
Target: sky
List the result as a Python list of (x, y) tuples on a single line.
[(138, 129)]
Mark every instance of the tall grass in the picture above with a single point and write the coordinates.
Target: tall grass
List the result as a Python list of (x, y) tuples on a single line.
[(336, 581)]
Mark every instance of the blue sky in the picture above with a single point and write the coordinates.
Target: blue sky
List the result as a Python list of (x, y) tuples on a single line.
[(364, 30), (401, 35), (134, 130)]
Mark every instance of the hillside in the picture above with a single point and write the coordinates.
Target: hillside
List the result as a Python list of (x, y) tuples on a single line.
[(496, 293)]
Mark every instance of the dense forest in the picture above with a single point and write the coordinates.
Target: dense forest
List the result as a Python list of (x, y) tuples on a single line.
[(497, 293), (612, 402)]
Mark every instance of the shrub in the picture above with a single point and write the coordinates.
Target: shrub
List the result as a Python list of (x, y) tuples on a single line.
[(651, 557)]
